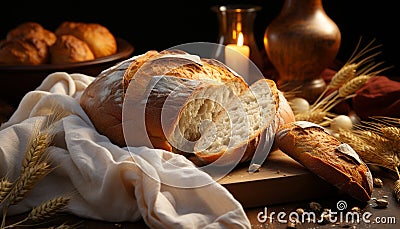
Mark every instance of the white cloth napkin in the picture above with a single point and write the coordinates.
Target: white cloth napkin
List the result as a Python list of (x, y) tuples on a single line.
[(108, 182)]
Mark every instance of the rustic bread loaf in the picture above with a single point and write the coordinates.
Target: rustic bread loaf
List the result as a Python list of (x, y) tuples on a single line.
[(171, 99), (327, 157), (106, 94)]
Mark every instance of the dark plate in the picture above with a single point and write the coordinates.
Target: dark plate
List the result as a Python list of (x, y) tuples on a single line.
[(16, 81)]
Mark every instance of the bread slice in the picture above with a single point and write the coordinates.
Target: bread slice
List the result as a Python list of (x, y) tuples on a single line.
[(236, 132), (327, 157)]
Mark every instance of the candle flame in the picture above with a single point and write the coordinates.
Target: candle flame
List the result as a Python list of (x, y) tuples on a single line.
[(240, 39)]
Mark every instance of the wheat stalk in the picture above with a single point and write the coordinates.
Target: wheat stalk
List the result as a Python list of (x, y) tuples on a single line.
[(350, 78), (352, 86), (5, 187), (390, 132), (44, 210), (26, 181), (315, 116), (396, 187), (37, 147), (48, 208), (369, 149), (349, 69), (346, 73), (357, 53), (23, 185), (341, 94), (34, 167), (389, 121)]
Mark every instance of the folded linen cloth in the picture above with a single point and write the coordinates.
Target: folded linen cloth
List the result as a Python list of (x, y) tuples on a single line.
[(108, 182)]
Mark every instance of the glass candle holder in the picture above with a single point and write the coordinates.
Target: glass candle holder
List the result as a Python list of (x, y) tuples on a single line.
[(236, 34)]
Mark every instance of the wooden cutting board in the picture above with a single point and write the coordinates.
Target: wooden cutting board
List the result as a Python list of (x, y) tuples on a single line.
[(280, 180)]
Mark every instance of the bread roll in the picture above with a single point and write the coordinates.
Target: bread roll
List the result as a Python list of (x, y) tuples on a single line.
[(29, 51), (327, 157), (28, 30), (99, 39), (70, 49), (169, 100)]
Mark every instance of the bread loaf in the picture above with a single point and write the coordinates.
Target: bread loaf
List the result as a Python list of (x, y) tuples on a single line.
[(327, 157), (174, 101)]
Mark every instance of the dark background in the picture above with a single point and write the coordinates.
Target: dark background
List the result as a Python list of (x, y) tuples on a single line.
[(160, 25)]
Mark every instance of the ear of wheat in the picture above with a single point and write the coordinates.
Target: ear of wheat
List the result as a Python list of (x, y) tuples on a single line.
[(48, 208), (34, 167), (358, 63), (5, 187), (381, 137), (36, 148), (344, 85), (26, 181)]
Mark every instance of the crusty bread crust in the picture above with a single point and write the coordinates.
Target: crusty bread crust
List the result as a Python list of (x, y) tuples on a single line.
[(105, 96), (327, 157)]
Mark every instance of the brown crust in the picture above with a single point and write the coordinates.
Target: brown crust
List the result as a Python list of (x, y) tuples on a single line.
[(105, 115), (318, 151)]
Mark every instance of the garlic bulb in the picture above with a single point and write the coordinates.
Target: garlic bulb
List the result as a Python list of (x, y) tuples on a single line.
[(341, 122), (299, 105)]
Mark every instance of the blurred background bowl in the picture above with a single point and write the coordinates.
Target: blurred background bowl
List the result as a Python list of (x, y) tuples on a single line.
[(16, 81)]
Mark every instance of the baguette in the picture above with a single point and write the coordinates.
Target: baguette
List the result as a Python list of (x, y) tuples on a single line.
[(327, 157)]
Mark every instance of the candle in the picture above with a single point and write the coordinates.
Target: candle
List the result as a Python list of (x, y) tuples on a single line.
[(236, 57)]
